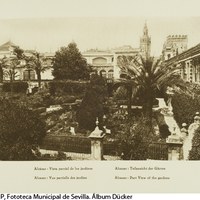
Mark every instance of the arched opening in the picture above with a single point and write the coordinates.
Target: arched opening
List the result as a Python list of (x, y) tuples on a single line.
[(103, 73), (110, 74)]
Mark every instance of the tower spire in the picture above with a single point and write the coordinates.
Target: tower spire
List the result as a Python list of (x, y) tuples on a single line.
[(145, 28), (145, 42)]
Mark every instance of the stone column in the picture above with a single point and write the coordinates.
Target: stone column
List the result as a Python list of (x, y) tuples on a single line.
[(175, 144), (97, 143)]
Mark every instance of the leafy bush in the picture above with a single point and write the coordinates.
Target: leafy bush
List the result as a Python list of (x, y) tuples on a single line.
[(68, 87), (18, 87), (134, 140), (185, 107), (194, 153), (120, 93), (64, 99), (21, 131)]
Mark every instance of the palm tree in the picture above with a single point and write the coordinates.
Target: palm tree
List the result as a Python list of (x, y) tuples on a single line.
[(37, 63), (127, 84), (9, 65), (147, 77)]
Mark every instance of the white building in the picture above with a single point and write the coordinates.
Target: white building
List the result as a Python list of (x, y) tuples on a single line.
[(102, 61), (22, 73), (106, 61)]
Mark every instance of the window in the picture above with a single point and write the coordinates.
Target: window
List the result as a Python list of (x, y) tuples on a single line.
[(99, 61), (29, 75)]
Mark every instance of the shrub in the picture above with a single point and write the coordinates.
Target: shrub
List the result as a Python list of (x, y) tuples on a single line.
[(64, 99), (185, 107), (134, 140), (61, 156), (21, 131), (194, 154), (68, 87), (18, 87)]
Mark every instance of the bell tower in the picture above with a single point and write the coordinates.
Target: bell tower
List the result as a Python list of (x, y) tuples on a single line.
[(145, 43)]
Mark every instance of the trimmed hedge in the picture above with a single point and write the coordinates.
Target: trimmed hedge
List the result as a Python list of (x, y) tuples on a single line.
[(68, 87), (18, 87)]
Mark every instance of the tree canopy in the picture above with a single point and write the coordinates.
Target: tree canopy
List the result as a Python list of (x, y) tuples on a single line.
[(92, 104), (70, 64), (147, 76), (37, 62)]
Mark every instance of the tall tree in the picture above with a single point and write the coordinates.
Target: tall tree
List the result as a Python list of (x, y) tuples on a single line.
[(10, 64), (92, 104), (37, 62), (70, 64), (148, 76)]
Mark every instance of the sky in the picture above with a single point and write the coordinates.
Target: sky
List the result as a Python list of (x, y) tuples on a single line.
[(46, 25)]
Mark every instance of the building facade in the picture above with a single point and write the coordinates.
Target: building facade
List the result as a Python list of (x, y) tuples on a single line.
[(101, 62), (189, 63), (21, 71), (174, 45), (106, 61)]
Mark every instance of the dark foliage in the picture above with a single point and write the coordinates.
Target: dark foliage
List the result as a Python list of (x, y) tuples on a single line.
[(70, 64), (185, 107), (18, 87), (92, 104), (68, 87), (21, 131), (135, 139), (194, 154)]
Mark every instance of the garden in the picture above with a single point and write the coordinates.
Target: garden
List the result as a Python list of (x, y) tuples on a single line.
[(61, 114)]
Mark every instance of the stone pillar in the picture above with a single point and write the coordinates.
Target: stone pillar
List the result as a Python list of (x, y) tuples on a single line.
[(97, 143), (175, 147)]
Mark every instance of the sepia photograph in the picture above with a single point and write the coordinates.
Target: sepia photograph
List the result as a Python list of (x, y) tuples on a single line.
[(99, 96), (100, 88)]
